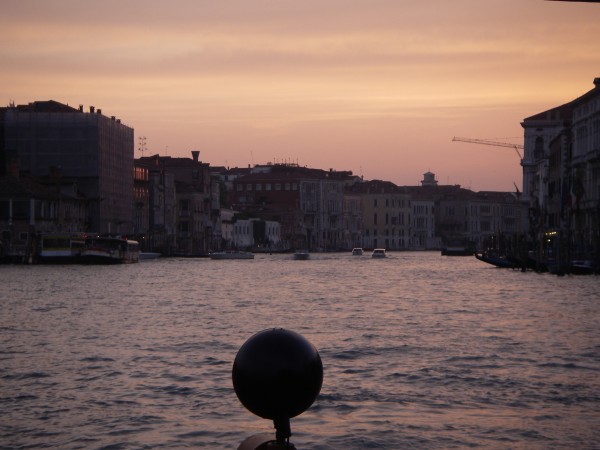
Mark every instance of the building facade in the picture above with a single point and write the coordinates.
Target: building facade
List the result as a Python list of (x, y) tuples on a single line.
[(183, 209), (561, 178), (308, 203), (386, 215), (94, 149)]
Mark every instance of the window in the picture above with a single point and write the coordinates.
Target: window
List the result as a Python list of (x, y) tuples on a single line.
[(538, 150), (249, 187)]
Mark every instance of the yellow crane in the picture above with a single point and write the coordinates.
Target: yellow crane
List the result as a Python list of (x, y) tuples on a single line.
[(517, 147)]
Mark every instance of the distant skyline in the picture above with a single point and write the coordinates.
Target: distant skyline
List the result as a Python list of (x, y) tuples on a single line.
[(378, 87)]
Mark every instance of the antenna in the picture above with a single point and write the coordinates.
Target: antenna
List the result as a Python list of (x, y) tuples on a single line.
[(142, 144)]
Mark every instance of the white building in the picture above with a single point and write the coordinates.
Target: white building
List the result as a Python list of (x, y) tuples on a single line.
[(256, 233)]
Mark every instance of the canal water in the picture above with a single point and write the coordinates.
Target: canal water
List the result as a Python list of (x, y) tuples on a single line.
[(420, 351)]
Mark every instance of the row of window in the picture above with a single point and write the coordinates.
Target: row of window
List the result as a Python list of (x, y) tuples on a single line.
[(21, 210), (387, 232), (268, 186), (399, 203)]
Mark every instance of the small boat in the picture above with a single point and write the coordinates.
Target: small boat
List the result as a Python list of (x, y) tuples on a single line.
[(301, 255), (357, 251), (231, 254), (109, 250), (378, 253), (457, 251), (583, 267), (498, 261)]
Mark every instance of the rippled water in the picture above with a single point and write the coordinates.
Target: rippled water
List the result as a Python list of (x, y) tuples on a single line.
[(419, 351)]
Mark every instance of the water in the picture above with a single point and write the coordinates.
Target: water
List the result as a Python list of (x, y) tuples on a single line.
[(419, 351)]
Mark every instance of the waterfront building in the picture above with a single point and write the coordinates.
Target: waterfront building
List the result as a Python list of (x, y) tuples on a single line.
[(183, 209), (452, 216), (306, 202), (422, 230), (141, 205), (561, 178), (225, 224), (93, 149), (386, 212), (32, 206), (256, 235), (352, 227), (494, 221)]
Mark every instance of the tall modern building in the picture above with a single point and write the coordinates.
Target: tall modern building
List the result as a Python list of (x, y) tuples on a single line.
[(89, 148)]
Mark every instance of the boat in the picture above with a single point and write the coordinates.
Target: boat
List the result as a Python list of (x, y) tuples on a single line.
[(498, 261), (109, 250), (61, 248), (301, 255), (357, 251), (231, 254), (583, 267), (457, 251), (378, 253)]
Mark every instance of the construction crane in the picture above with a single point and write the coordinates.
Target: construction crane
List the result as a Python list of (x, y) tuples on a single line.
[(517, 147)]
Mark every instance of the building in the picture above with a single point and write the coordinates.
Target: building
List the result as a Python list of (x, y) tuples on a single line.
[(30, 207), (386, 217), (183, 207), (308, 203), (94, 150), (256, 235), (561, 178), (449, 216), (352, 227)]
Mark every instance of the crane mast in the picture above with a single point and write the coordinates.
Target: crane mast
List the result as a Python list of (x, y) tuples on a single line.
[(516, 147)]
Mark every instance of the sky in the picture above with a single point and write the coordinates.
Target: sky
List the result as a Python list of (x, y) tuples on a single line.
[(377, 87)]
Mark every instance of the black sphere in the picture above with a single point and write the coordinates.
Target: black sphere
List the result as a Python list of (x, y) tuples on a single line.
[(277, 374)]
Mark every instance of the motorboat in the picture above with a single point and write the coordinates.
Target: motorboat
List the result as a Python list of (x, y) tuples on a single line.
[(378, 253), (231, 254), (357, 251), (301, 255)]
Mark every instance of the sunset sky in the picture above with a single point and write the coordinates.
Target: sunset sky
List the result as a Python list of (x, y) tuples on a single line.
[(378, 87)]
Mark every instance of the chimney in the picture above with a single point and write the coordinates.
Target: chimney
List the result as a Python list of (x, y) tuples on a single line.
[(195, 155), (80, 108), (92, 109), (99, 111)]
